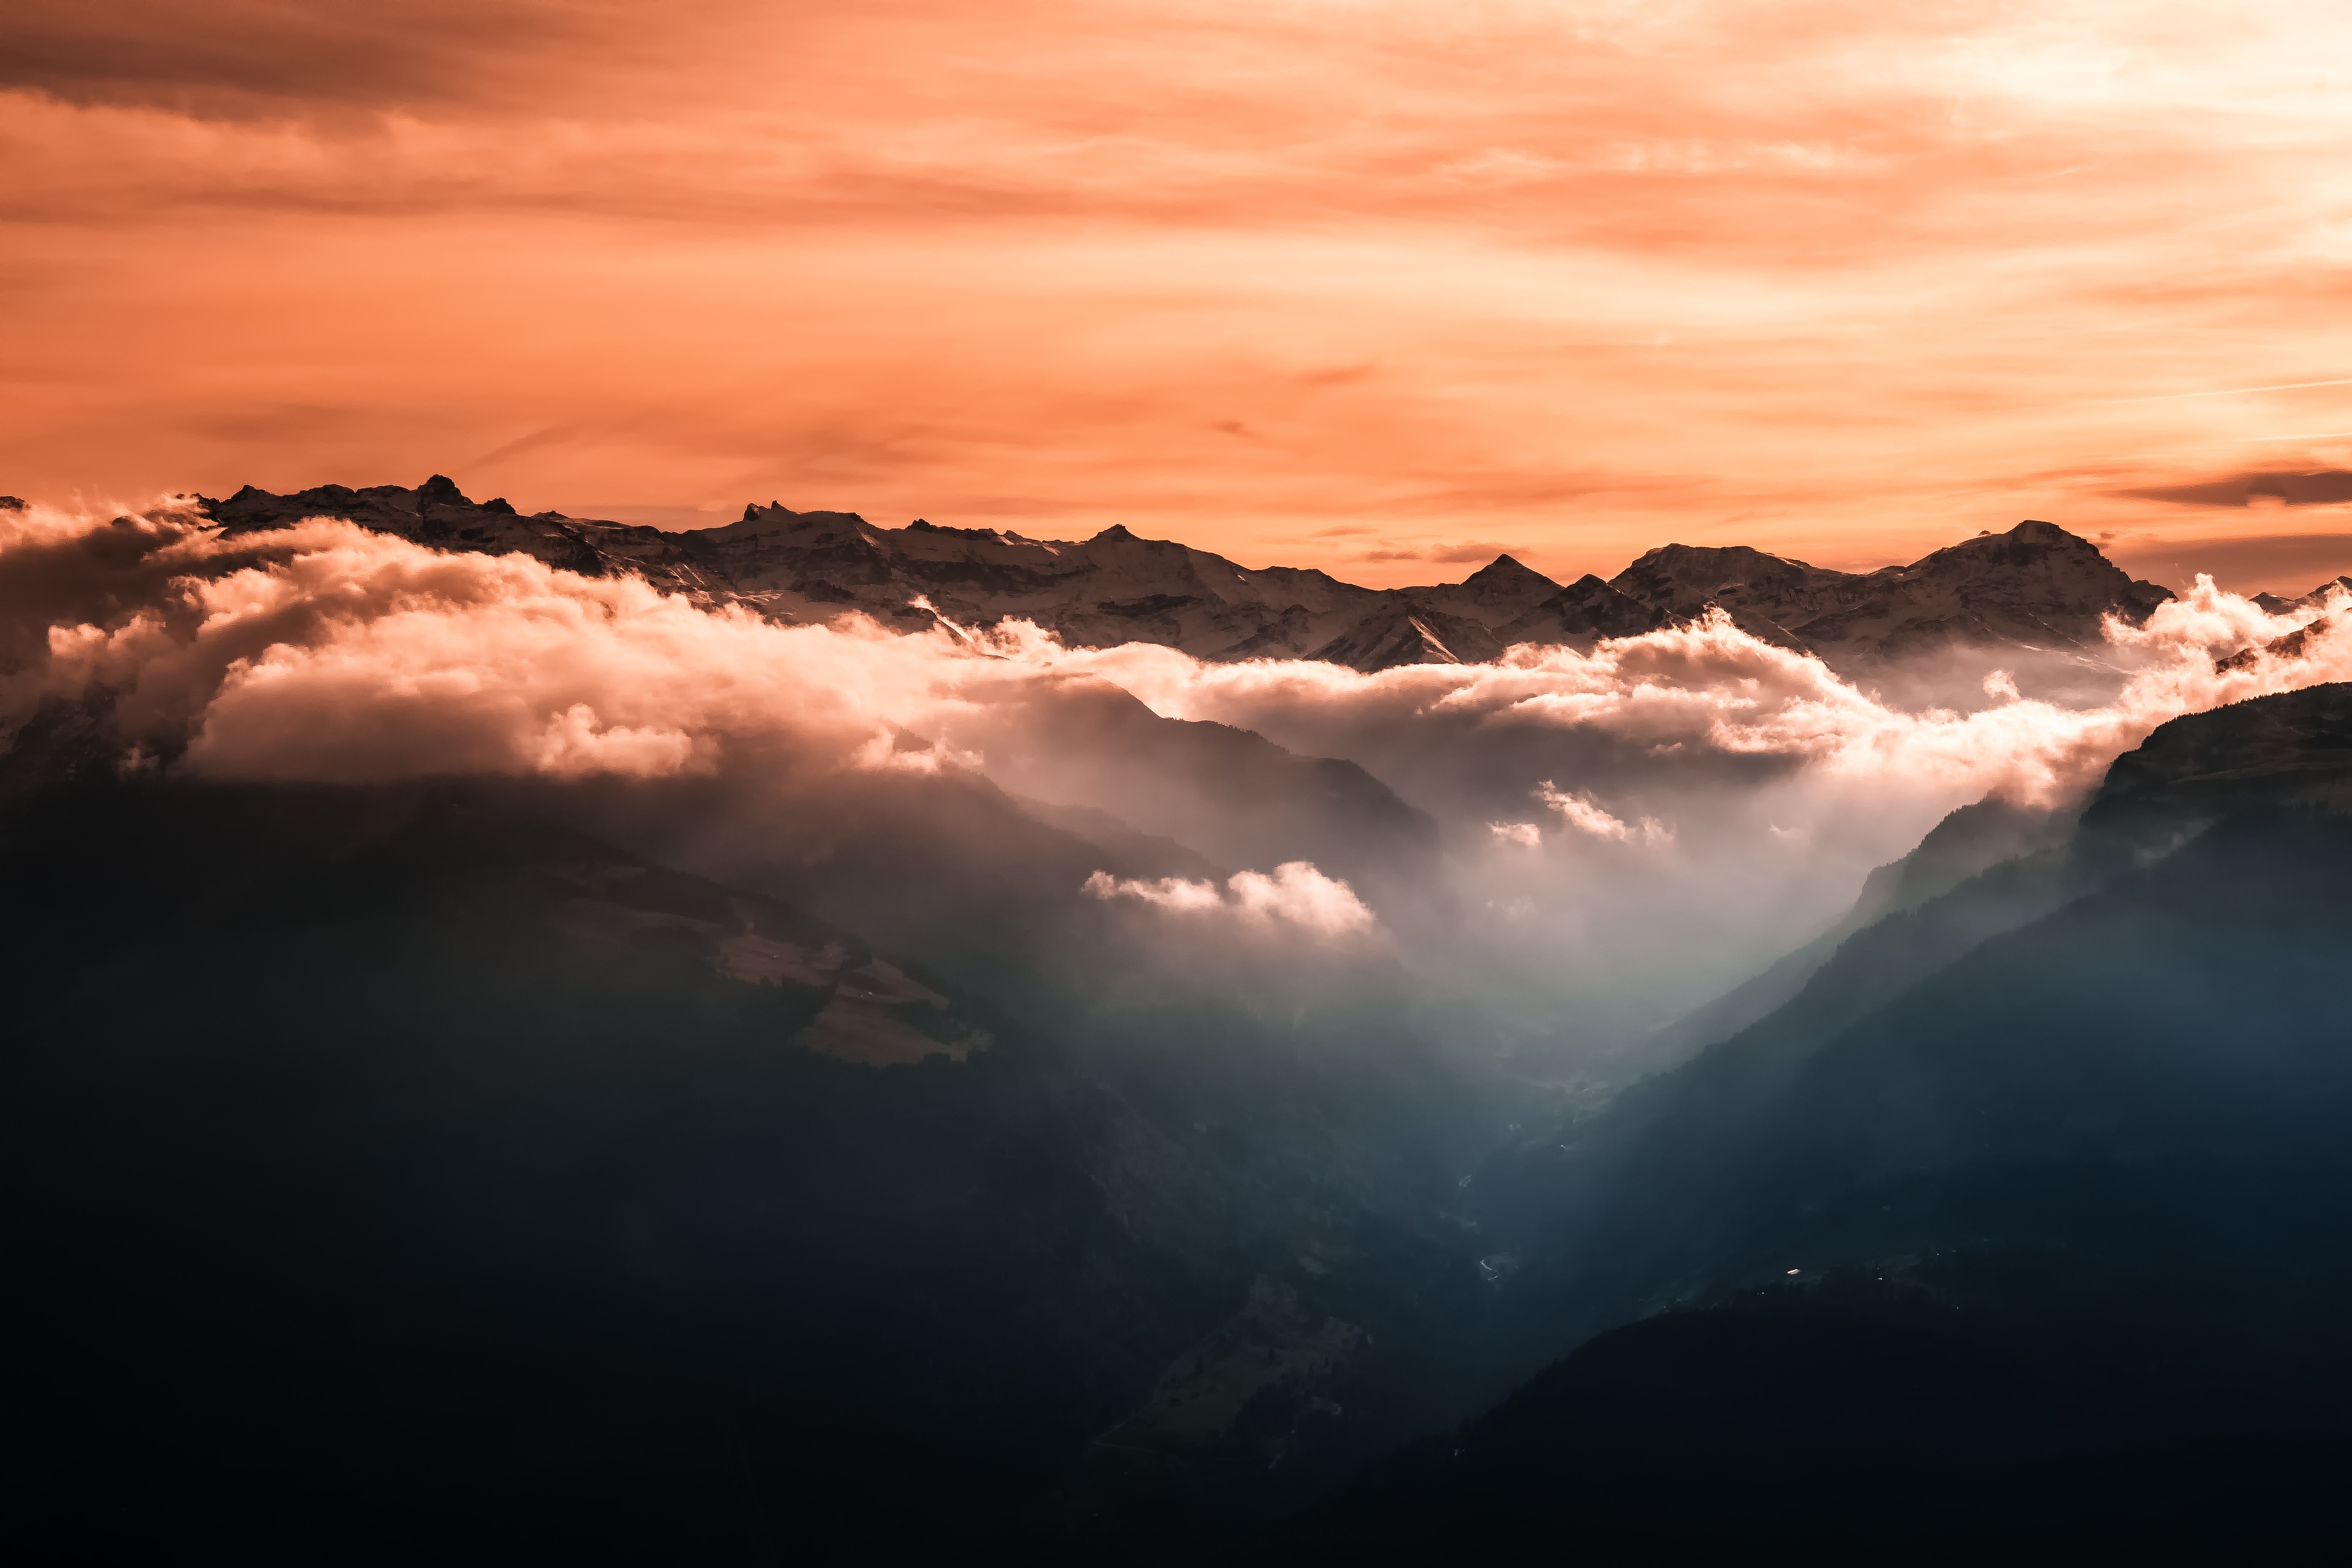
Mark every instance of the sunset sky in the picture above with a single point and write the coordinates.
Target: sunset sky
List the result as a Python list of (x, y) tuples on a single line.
[(1382, 288)]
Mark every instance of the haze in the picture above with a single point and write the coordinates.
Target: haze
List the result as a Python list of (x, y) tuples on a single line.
[(1379, 288)]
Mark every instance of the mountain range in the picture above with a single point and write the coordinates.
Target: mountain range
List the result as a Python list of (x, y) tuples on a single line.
[(2036, 584), (742, 1167)]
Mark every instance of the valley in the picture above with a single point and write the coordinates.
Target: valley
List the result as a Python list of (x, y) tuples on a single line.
[(1148, 1133)]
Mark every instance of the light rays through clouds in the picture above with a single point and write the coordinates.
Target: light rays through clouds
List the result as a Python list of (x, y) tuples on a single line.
[(1332, 284)]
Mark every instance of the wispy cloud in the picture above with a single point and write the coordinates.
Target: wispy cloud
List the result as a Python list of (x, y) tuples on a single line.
[(1582, 813), (1443, 554), (2327, 488)]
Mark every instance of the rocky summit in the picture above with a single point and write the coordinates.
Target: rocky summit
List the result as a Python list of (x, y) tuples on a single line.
[(2036, 585)]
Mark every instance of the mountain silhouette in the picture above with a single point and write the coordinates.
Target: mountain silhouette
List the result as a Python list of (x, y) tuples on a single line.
[(2035, 586)]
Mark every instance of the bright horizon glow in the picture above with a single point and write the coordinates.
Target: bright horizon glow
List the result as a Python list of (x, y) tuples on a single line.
[(1385, 290)]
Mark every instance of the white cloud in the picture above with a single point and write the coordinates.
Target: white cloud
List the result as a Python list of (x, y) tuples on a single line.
[(1168, 893), (1582, 812), (327, 653), (1296, 894)]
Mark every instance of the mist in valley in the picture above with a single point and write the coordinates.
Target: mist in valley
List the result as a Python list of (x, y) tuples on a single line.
[(1552, 856), (1223, 1070)]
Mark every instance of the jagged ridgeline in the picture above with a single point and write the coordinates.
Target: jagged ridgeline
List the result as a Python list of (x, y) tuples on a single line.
[(2037, 585)]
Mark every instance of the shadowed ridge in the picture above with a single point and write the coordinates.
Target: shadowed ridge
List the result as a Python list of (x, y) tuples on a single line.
[(2037, 585), (1581, 615), (2069, 1055), (1454, 621), (1505, 570), (1402, 635)]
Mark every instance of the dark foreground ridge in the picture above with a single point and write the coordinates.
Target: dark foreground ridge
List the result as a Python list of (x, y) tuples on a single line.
[(1821, 1420), (404, 1172), (2037, 585)]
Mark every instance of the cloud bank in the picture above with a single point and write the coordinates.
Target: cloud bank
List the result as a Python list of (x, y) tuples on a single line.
[(1615, 835)]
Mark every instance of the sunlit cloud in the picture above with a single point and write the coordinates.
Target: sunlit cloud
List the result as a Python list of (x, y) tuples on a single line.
[(1581, 814), (1601, 835), (1295, 894)]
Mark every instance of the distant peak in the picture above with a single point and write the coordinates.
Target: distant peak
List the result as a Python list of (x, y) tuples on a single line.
[(1710, 553), (442, 490), (2032, 531), (1505, 569), (1115, 533)]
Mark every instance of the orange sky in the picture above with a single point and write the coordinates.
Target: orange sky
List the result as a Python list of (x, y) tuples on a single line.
[(1377, 287)]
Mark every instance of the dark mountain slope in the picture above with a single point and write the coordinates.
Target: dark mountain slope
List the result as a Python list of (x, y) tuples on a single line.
[(1583, 613), (2044, 1240), (1796, 1423), (1493, 596), (1403, 634), (1230, 793), (2128, 1114), (466, 1173), (2143, 987), (393, 1126), (1550, 1186), (1769, 595), (1966, 843)]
